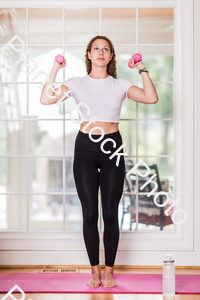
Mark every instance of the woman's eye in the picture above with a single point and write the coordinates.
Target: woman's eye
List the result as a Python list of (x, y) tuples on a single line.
[(104, 48)]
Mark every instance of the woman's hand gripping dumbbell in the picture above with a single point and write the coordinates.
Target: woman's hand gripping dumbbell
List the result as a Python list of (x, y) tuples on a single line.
[(60, 62), (136, 58)]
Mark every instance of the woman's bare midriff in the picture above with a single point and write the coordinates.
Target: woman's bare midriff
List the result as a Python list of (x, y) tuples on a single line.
[(106, 126)]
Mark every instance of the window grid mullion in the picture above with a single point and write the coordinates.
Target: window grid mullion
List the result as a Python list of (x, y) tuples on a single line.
[(27, 122), (64, 169), (136, 126)]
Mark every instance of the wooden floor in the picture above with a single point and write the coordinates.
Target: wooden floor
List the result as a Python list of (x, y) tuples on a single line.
[(96, 296)]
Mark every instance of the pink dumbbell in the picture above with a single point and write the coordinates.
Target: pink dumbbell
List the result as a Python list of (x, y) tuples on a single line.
[(136, 58), (59, 58)]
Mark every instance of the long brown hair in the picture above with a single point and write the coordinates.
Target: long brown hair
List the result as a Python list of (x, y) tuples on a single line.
[(111, 66)]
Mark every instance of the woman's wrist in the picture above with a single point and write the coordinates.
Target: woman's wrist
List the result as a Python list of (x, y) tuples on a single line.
[(55, 68), (140, 65)]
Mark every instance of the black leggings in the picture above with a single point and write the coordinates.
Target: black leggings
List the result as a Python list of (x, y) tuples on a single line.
[(88, 158)]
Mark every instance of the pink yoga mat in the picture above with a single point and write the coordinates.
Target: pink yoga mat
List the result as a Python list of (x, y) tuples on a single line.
[(77, 283)]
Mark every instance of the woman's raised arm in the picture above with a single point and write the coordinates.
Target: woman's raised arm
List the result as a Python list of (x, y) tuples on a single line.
[(44, 99)]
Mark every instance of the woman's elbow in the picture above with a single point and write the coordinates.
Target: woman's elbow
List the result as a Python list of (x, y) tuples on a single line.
[(45, 101), (154, 101), (42, 102), (48, 99)]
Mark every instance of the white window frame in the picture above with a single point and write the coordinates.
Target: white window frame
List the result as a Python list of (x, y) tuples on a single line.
[(140, 242)]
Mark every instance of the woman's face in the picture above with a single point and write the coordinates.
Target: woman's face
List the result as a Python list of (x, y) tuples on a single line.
[(100, 49)]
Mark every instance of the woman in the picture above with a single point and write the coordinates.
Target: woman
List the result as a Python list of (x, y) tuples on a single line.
[(103, 93)]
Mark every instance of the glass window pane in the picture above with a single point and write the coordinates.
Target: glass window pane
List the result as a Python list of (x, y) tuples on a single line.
[(71, 131), (73, 213), (75, 61), (69, 176), (13, 175), (13, 138), (38, 110), (151, 217), (14, 63), (128, 110), (119, 24), (159, 61), (81, 24), (164, 108), (13, 212), (125, 205), (165, 170), (45, 175), (14, 101), (155, 25), (128, 133), (123, 54), (12, 22), (155, 138), (149, 212), (46, 212), (46, 138), (45, 25)]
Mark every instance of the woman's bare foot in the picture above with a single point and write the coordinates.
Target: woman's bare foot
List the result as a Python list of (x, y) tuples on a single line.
[(108, 277), (95, 281)]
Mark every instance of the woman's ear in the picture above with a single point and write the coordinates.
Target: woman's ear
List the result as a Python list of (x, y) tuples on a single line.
[(88, 55)]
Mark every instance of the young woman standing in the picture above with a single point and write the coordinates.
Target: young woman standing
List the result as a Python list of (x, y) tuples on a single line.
[(103, 93)]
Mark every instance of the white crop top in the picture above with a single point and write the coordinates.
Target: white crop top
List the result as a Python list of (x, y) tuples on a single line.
[(104, 96)]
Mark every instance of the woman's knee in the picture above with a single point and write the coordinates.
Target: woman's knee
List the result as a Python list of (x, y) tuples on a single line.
[(110, 217), (90, 218)]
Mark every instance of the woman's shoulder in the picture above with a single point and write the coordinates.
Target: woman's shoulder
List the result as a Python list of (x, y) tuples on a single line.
[(125, 82), (72, 80)]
